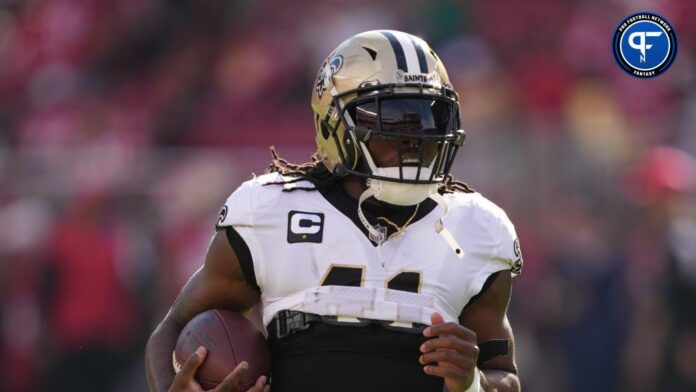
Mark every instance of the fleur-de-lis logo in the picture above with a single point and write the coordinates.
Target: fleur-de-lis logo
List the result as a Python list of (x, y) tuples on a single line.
[(327, 70)]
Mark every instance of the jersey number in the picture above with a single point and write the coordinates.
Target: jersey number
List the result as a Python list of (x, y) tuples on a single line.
[(342, 275)]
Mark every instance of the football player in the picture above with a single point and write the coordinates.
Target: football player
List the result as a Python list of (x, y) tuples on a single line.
[(374, 269)]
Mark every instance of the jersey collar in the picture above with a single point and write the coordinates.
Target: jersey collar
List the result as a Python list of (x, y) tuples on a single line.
[(373, 209)]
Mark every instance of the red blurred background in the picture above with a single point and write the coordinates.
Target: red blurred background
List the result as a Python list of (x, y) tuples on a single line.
[(125, 124)]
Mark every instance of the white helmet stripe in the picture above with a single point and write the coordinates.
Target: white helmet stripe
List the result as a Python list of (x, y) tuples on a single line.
[(409, 51), (421, 56), (398, 50)]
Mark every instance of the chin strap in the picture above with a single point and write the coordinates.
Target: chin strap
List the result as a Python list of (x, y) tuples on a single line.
[(375, 235), (442, 230)]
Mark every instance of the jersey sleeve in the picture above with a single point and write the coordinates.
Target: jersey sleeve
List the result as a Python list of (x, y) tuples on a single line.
[(509, 250), (238, 208), (237, 219), (504, 253)]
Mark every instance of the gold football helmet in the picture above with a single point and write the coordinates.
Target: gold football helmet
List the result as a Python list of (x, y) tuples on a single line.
[(390, 85)]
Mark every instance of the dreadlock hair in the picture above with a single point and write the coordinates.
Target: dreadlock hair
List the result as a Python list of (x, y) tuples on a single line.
[(319, 175)]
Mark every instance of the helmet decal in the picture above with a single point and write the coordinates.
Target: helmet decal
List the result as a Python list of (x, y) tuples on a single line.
[(335, 64), (328, 69)]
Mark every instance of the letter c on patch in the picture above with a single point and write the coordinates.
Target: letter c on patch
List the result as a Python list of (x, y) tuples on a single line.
[(305, 223)]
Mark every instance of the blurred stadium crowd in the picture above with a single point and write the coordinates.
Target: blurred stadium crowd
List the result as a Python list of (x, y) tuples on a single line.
[(125, 124)]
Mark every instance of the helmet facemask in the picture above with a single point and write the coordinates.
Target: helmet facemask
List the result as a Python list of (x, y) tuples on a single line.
[(406, 141)]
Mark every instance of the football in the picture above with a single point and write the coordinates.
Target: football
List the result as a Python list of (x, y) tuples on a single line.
[(229, 339)]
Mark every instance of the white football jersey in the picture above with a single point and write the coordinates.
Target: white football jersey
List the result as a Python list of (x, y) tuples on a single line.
[(302, 248)]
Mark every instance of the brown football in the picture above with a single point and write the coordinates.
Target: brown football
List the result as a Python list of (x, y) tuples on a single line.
[(230, 339)]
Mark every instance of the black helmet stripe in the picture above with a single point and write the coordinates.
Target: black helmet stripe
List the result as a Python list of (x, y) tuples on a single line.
[(421, 57), (398, 51)]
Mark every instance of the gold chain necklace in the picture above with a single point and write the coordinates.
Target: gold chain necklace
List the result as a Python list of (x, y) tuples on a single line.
[(399, 229)]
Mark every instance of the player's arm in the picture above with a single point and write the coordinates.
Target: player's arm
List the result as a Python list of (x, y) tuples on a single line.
[(453, 351), (220, 283), (487, 317)]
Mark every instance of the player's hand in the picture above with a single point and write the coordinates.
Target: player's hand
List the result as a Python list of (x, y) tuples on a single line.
[(451, 353), (233, 382), (185, 381)]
